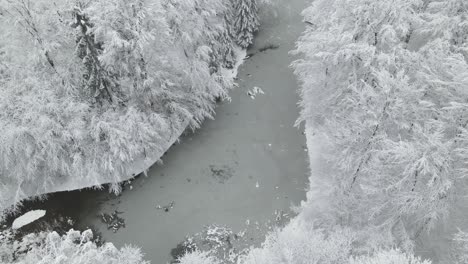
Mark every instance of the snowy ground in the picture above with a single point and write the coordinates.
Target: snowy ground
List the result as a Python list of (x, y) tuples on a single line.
[(243, 169)]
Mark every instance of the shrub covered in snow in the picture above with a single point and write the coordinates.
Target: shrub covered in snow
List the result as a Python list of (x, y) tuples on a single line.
[(71, 248), (89, 88)]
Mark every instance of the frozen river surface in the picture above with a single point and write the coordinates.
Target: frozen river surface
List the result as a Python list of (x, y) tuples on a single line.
[(240, 170)]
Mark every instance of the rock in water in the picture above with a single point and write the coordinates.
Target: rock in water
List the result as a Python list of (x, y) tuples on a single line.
[(27, 218)]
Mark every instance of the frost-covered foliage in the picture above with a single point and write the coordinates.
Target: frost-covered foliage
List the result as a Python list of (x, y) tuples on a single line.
[(389, 92), (245, 21), (87, 88), (389, 257), (72, 248), (300, 242)]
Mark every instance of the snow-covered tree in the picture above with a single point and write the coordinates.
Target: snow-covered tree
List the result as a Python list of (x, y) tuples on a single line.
[(74, 248), (224, 52), (246, 21), (300, 245), (97, 81), (392, 108)]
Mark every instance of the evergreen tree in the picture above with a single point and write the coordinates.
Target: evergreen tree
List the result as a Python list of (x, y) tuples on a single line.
[(246, 21), (97, 81), (225, 50)]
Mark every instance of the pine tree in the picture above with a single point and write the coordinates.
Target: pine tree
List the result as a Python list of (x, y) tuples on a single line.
[(98, 81), (246, 21), (225, 50)]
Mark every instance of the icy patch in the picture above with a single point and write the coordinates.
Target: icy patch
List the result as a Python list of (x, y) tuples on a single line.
[(27, 218)]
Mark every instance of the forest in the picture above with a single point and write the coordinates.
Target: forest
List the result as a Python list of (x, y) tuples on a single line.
[(383, 89)]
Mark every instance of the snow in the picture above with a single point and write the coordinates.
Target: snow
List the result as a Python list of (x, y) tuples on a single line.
[(28, 218)]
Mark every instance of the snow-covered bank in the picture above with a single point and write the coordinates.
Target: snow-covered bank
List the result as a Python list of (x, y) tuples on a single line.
[(105, 93)]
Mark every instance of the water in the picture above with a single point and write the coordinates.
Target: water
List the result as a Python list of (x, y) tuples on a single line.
[(240, 168)]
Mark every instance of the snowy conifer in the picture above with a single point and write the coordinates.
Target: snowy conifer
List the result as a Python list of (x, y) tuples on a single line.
[(246, 21), (226, 49), (98, 82)]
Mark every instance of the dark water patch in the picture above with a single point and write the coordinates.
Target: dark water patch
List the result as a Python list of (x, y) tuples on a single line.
[(63, 209), (262, 49), (221, 173)]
